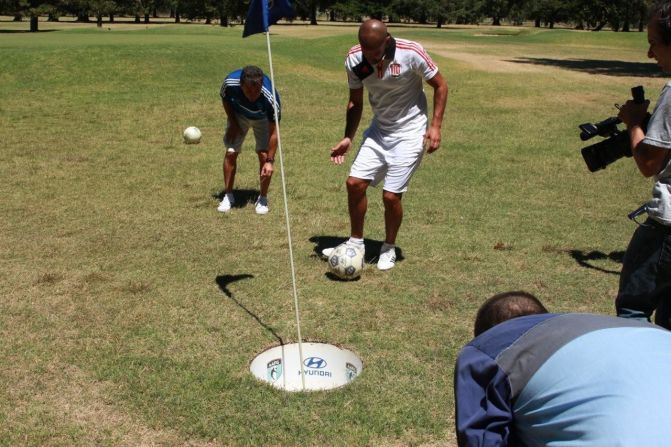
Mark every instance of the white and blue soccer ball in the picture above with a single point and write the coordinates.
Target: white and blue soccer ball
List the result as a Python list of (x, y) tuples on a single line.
[(346, 262), (192, 135)]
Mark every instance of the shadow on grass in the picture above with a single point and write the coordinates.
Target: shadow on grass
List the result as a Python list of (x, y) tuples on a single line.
[(242, 197), (597, 66), (584, 259), (372, 250), (223, 282), (22, 31)]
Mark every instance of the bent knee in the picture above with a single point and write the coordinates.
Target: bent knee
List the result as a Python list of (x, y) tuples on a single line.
[(391, 197), (356, 184)]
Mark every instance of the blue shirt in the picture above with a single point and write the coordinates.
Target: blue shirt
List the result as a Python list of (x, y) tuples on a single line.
[(260, 109), (565, 380)]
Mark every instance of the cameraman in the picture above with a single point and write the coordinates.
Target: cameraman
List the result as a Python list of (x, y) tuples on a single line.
[(645, 283)]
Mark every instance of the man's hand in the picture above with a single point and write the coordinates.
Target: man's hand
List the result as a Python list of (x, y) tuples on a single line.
[(267, 169), (432, 139), (633, 114), (339, 150)]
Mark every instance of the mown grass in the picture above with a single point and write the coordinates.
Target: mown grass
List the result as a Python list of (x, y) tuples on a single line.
[(131, 308)]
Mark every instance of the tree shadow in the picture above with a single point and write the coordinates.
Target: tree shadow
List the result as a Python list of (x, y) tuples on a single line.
[(22, 31), (583, 259), (223, 282), (597, 66), (372, 250), (242, 197)]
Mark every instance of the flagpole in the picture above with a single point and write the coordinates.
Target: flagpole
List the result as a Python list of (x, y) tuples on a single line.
[(286, 212)]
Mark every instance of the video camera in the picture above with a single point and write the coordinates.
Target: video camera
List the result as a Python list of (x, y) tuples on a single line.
[(615, 146)]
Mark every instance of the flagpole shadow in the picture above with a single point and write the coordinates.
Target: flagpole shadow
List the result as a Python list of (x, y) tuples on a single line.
[(223, 282)]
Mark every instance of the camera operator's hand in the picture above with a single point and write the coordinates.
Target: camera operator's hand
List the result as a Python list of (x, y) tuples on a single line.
[(633, 114)]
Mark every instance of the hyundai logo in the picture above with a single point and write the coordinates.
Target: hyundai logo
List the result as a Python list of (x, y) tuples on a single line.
[(315, 362)]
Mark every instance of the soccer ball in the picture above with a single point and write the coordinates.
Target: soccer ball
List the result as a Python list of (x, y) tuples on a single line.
[(192, 135), (346, 262)]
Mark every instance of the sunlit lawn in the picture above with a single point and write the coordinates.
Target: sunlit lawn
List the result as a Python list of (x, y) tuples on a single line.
[(131, 309)]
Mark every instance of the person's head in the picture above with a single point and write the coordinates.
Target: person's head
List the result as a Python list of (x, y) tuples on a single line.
[(503, 307), (251, 81), (374, 38), (659, 35)]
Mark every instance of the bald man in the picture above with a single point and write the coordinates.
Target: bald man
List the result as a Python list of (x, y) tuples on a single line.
[(393, 71)]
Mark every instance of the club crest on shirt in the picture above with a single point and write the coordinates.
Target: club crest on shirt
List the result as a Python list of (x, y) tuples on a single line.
[(395, 69)]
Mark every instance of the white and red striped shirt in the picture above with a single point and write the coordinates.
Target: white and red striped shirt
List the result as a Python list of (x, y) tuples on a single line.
[(395, 89)]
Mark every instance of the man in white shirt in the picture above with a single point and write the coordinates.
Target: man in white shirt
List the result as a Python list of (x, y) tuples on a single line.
[(393, 71)]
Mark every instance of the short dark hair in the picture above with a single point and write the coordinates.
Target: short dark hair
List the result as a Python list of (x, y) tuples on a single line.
[(661, 13), (251, 75), (503, 307)]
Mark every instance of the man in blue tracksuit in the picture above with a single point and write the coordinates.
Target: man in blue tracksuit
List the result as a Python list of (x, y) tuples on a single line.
[(532, 378), (247, 97)]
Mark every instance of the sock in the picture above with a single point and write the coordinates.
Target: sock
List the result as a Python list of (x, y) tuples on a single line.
[(386, 247), (355, 240)]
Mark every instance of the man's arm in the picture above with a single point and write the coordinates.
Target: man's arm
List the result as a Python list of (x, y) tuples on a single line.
[(270, 150), (440, 91), (484, 413), (233, 126), (649, 159), (352, 120)]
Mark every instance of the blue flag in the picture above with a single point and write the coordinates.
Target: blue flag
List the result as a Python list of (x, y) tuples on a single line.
[(263, 13)]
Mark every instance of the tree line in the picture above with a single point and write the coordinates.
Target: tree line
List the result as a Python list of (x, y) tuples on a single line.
[(617, 15)]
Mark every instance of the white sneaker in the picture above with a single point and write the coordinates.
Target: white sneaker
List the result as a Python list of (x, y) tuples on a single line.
[(387, 258), (226, 203), (262, 205)]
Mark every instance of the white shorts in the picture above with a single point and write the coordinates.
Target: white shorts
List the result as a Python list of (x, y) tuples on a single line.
[(394, 158), (261, 134)]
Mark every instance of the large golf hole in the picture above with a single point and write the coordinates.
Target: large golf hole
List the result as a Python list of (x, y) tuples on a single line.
[(325, 367)]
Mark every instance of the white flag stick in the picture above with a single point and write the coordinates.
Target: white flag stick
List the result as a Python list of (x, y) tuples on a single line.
[(286, 212)]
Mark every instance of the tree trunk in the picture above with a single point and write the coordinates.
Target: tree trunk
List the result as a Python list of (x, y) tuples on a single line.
[(537, 23), (111, 18), (52, 17), (313, 14), (146, 17), (223, 20), (178, 19), (99, 20), (137, 18), (496, 21), (18, 18), (33, 24)]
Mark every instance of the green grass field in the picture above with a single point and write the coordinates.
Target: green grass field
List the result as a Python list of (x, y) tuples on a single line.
[(131, 309)]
